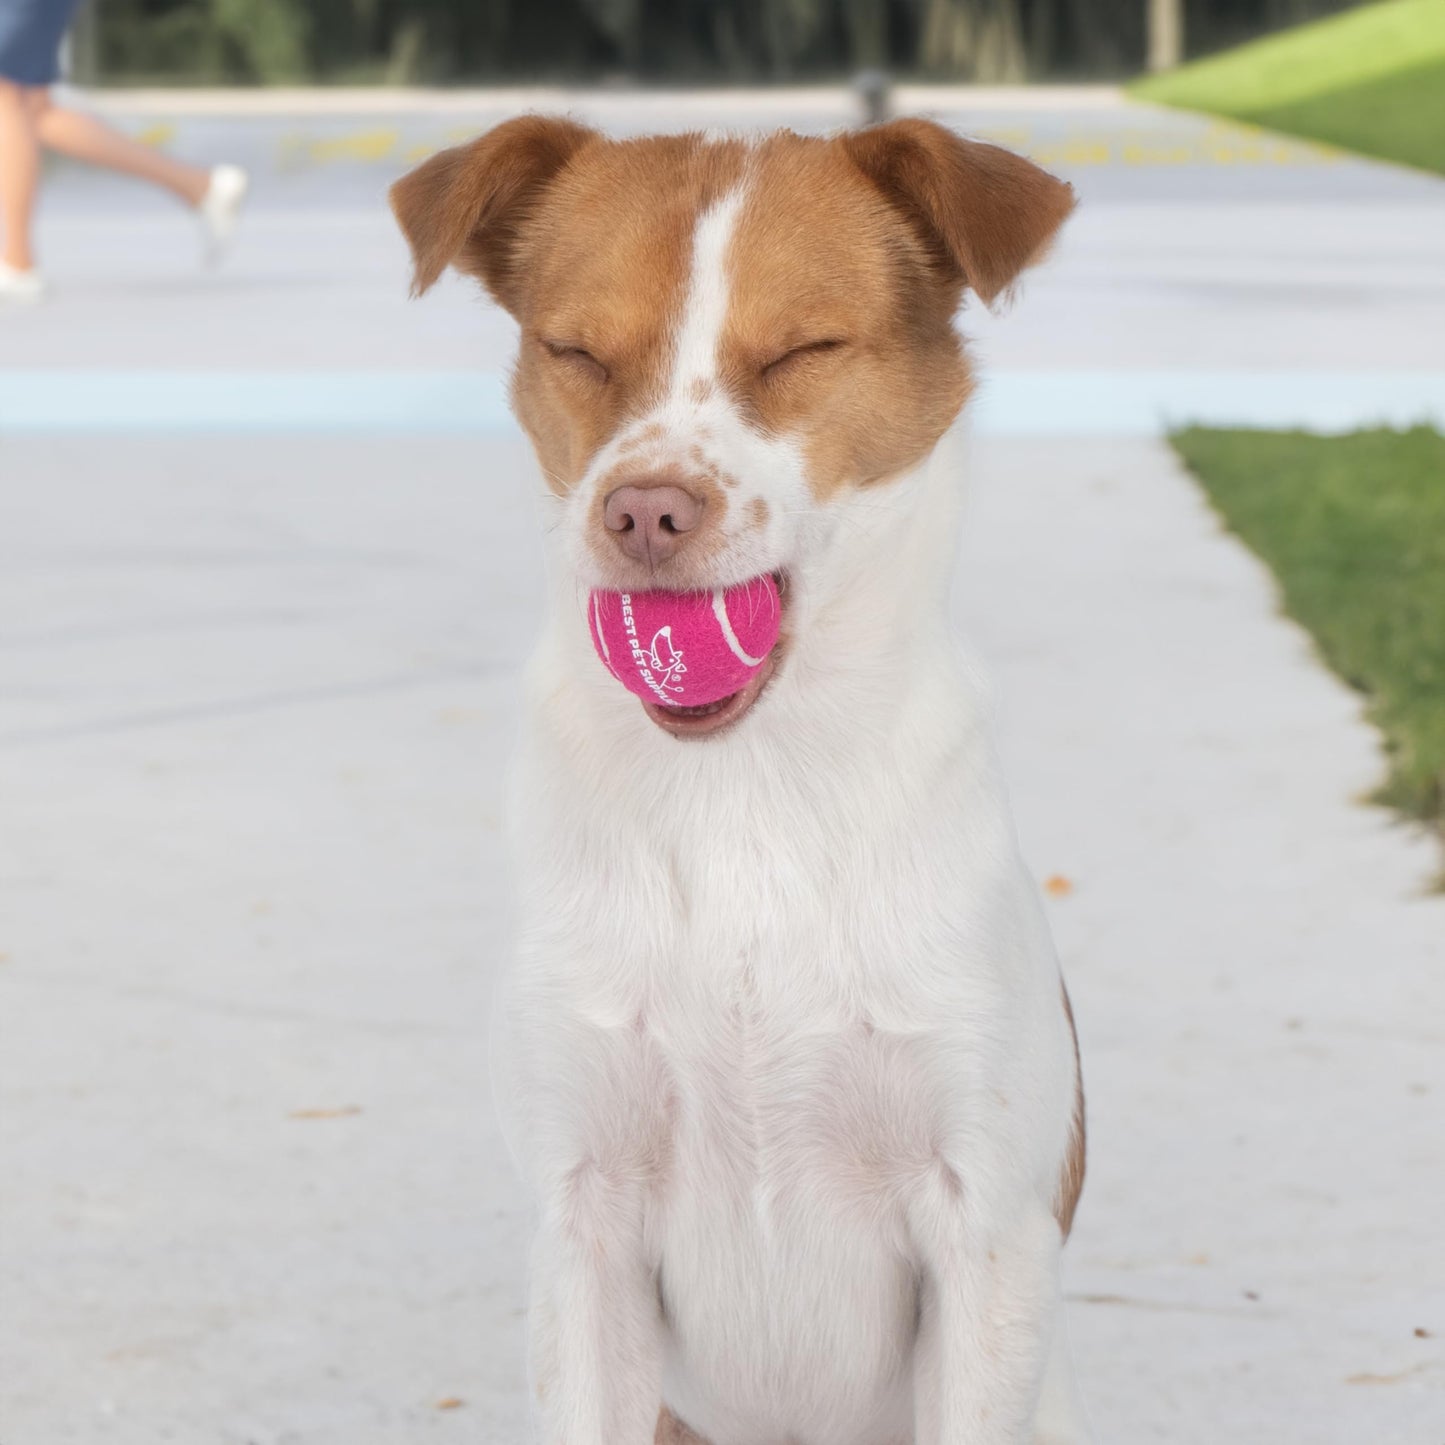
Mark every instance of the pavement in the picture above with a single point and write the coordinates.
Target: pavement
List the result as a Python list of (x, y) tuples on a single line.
[(258, 658)]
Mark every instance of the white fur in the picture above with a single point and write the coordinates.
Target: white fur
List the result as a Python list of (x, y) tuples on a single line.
[(783, 1052), (695, 353)]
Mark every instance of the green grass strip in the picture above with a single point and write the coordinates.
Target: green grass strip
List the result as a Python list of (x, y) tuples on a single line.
[(1398, 118), (1354, 528), (1363, 44), (1371, 80)]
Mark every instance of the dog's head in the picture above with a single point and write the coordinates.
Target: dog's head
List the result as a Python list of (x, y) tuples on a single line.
[(723, 341)]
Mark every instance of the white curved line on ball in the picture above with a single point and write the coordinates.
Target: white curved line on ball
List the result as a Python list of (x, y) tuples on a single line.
[(720, 611)]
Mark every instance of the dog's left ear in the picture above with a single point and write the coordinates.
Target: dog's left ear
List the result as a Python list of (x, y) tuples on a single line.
[(464, 206), (983, 213)]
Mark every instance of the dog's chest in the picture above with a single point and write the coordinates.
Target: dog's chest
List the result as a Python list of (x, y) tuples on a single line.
[(782, 1079), (796, 1131), (777, 1010), (778, 1016)]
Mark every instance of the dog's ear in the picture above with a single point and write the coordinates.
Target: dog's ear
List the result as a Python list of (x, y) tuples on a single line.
[(465, 206), (983, 213)]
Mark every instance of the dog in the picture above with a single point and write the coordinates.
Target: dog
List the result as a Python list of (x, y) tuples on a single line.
[(784, 1052)]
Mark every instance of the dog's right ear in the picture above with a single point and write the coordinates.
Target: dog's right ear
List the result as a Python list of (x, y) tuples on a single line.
[(465, 206)]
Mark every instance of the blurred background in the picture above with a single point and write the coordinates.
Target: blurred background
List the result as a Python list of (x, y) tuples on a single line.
[(269, 571), (441, 42)]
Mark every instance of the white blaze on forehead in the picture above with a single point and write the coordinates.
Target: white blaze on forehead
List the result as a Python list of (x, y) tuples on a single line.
[(695, 423), (707, 294)]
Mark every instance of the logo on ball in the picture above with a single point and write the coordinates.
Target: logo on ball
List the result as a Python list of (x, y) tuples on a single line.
[(704, 645), (665, 658)]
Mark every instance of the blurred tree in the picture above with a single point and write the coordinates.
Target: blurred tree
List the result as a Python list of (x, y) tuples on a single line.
[(245, 41), (689, 41), (973, 40)]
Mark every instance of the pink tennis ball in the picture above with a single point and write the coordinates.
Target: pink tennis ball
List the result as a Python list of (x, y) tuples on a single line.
[(686, 649)]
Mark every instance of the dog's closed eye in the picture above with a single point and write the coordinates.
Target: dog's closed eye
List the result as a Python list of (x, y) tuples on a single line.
[(578, 357), (785, 360)]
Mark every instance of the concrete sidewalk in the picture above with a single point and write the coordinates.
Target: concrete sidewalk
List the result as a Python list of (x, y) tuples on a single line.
[(255, 695), (253, 904)]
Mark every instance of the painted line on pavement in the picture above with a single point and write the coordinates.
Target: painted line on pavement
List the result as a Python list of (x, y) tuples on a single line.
[(1009, 403), (1150, 402), (253, 401)]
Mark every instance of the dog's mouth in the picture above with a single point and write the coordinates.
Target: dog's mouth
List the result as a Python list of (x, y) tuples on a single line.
[(712, 717), (705, 719)]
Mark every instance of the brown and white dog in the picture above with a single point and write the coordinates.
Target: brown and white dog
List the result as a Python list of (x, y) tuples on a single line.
[(785, 1052)]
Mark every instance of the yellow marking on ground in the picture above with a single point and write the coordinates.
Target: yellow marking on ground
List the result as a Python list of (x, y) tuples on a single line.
[(366, 145), (1219, 144), (160, 134), (297, 151)]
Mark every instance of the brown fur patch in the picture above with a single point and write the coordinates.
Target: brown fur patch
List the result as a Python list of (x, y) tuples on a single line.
[(465, 206), (588, 243), (1071, 1179), (983, 213), (758, 513), (865, 240), (643, 438), (671, 1431), (609, 251), (819, 256)]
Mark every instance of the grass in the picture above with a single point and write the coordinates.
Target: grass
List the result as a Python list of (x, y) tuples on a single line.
[(1370, 80), (1354, 528)]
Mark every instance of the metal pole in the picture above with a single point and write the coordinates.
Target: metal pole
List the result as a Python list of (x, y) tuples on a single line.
[(1164, 24)]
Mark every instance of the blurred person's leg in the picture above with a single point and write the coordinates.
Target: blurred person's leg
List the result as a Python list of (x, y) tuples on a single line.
[(19, 175), (84, 138)]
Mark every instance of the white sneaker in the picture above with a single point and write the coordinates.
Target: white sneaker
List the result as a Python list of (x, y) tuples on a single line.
[(20, 286), (220, 207)]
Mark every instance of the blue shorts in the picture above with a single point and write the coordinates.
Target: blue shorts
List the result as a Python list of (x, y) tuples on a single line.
[(30, 36)]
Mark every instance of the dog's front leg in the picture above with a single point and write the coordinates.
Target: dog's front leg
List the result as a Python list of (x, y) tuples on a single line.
[(595, 1319), (988, 1298)]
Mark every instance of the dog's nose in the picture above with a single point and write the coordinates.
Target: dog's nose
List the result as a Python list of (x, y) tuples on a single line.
[(650, 523)]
